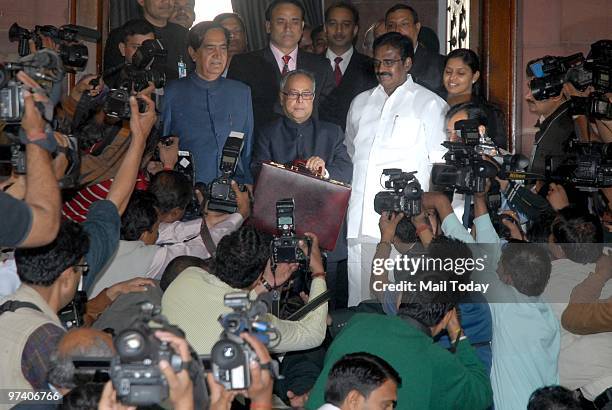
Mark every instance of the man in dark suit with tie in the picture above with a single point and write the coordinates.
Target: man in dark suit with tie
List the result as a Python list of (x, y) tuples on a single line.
[(427, 66), (353, 72), (262, 69), (298, 136)]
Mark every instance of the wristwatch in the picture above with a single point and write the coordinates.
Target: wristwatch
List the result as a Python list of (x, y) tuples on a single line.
[(266, 285)]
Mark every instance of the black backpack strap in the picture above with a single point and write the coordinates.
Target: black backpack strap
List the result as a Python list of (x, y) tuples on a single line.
[(13, 305)]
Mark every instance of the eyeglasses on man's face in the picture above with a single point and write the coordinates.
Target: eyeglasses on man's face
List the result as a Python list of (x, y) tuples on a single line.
[(294, 95), (386, 62)]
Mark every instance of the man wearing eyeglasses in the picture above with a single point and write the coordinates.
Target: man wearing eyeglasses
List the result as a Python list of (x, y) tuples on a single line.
[(398, 124), (298, 136)]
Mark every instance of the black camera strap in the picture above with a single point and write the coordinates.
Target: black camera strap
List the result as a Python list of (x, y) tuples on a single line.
[(207, 238), (13, 305), (310, 306)]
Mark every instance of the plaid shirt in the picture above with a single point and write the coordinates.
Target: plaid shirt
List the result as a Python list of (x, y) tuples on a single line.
[(35, 359)]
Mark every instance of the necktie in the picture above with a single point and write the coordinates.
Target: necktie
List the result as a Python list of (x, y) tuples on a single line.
[(337, 71), (286, 66)]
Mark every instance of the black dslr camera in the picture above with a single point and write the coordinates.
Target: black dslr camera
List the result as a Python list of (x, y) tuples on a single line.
[(587, 165), (231, 355), (135, 371), (221, 196), (73, 54), (135, 78), (285, 247), (71, 315), (405, 195)]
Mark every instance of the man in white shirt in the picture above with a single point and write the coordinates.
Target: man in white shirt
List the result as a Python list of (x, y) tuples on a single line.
[(398, 124), (360, 381), (585, 361)]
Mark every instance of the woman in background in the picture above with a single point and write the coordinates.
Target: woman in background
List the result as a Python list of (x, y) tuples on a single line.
[(461, 79)]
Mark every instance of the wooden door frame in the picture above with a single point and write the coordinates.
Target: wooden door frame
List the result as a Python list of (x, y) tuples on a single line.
[(502, 62)]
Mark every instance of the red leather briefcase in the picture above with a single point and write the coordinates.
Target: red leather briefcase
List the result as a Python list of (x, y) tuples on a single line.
[(320, 204)]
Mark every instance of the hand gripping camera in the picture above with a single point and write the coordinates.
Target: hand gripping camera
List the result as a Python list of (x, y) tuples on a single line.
[(403, 193), (221, 196), (135, 371), (135, 78), (230, 356), (285, 247)]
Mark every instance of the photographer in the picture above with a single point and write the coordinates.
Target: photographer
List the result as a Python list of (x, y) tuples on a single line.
[(555, 126), (34, 221), (172, 36), (195, 299), (518, 274)]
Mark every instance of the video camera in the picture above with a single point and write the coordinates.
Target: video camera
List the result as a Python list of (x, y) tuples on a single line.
[(221, 196), (550, 72), (465, 171), (73, 54), (405, 195), (135, 78), (285, 247), (231, 355), (135, 371), (587, 165), (44, 67), (595, 106)]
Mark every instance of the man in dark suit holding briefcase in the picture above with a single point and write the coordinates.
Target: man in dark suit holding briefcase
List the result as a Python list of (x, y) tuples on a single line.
[(298, 136)]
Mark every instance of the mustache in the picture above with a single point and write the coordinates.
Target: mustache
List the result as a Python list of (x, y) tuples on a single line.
[(383, 74)]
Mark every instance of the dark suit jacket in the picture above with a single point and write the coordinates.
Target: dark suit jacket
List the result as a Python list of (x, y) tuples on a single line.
[(282, 141), (358, 77), (259, 70), (427, 69)]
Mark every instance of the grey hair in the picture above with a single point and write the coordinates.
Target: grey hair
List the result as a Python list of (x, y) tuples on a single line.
[(290, 74), (61, 368)]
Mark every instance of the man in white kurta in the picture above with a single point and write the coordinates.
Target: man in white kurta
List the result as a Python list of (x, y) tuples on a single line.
[(398, 124)]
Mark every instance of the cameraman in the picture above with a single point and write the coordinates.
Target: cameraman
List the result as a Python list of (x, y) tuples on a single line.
[(35, 221), (195, 299), (555, 123), (172, 36)]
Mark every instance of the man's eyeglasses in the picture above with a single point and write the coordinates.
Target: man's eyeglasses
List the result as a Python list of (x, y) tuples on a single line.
[(81, 268), (386, 62), (294, 95)]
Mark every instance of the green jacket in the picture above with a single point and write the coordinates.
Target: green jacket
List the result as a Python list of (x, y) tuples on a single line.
[(432, 377)]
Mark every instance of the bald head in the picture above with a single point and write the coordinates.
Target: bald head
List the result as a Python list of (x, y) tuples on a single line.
[(83, 342)]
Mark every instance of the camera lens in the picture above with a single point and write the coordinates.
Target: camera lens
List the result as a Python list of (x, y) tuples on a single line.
[(227, 354), (131, 345)]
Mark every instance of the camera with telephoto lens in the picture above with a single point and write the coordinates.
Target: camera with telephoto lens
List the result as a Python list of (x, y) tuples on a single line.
[(465, 171), (135, 78), (221, 197), (231, 356), (135, 371), (285, 246), (587, 165), (404, 195), (74, 55)]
